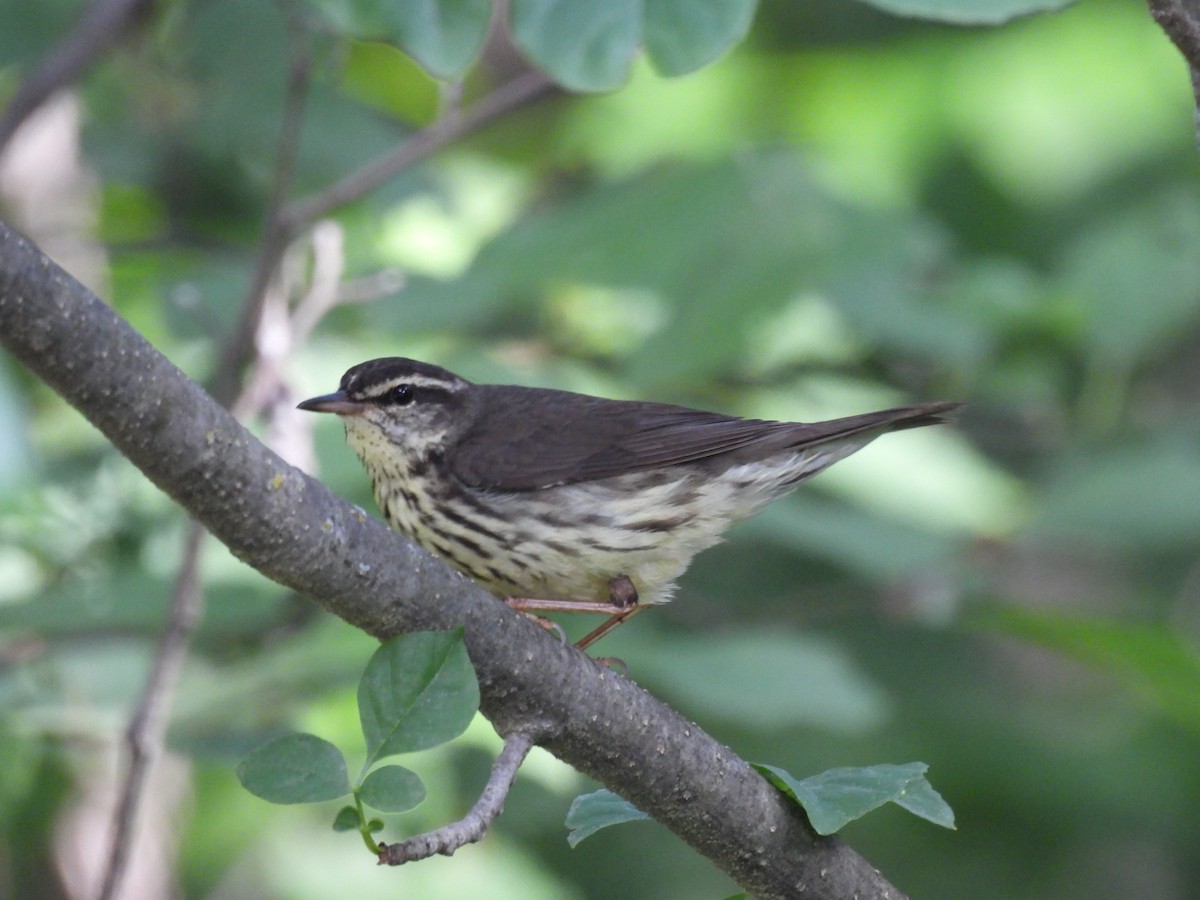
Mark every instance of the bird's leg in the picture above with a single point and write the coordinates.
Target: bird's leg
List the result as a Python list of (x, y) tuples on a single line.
[(623, 595), (622, 604)]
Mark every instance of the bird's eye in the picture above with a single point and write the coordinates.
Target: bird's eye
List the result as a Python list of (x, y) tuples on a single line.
[(401, 395)]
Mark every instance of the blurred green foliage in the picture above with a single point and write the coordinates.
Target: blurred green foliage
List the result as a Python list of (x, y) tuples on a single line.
[(847, 211)]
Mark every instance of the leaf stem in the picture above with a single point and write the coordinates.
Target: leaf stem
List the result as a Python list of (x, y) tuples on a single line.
[(364, 825)]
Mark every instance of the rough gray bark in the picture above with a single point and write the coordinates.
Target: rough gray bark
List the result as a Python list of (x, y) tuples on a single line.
[(293, 530)]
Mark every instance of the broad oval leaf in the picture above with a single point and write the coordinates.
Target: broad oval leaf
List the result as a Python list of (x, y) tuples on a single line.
[(295, 768), (591, 812), (838, 796), (418, 691), (392, 789)]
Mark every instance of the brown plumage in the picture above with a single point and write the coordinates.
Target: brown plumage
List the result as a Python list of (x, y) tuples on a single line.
[(550, 496)]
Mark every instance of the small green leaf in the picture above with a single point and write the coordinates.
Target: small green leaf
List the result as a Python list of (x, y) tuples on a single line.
[(418, 691), (591, 812), (295, 768), (833, 798), (375, 826), (588, 46), (444, 35), (968, 12), (346, 819), (392, 789), (582, 45), (685, 35)]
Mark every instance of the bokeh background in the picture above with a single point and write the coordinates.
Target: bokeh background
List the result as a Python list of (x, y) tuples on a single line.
[(850, 210)]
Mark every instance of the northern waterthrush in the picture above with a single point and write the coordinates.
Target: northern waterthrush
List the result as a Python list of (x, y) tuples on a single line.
[(562, 501)]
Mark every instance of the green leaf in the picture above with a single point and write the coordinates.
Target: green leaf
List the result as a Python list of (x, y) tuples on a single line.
[(380, 75), (588, 46), (392, 789), (582, 45), (418, 691), (1141, 496), (591, 812), (295, 768), (838, 796), (346, 819), (1129, 280), (1154, 660), (707, 676), (685, 35), (444, 35), (968, 12)]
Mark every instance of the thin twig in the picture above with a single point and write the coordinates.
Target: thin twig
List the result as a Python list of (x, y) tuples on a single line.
[(1181, 22), (520, 91), (285, 222), (474, 824), (148, 726), (101, 27), (1182, 26)]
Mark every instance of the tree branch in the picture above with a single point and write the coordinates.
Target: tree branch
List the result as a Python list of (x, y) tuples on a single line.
[(522, 90), (1180, 20), (293, 530), (103, 25), (474, 824)]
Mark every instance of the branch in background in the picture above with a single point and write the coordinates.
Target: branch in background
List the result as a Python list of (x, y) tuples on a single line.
[(147, 729), (474, 824), (104, 25), (1180, 19), (295, 531), (521, 91), (284, 223)]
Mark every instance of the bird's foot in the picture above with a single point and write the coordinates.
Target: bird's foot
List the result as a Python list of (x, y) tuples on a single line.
[(622, 605)]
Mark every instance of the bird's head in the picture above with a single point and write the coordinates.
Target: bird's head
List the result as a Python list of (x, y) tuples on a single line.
[(399, 403)]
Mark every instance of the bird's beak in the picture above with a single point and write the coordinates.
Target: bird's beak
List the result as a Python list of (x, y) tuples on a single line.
[(337, 402)]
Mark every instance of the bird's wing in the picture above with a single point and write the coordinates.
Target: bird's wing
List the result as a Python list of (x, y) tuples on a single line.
[(536, 438)]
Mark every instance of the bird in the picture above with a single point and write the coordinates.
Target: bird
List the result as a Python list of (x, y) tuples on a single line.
[(559, 501)]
